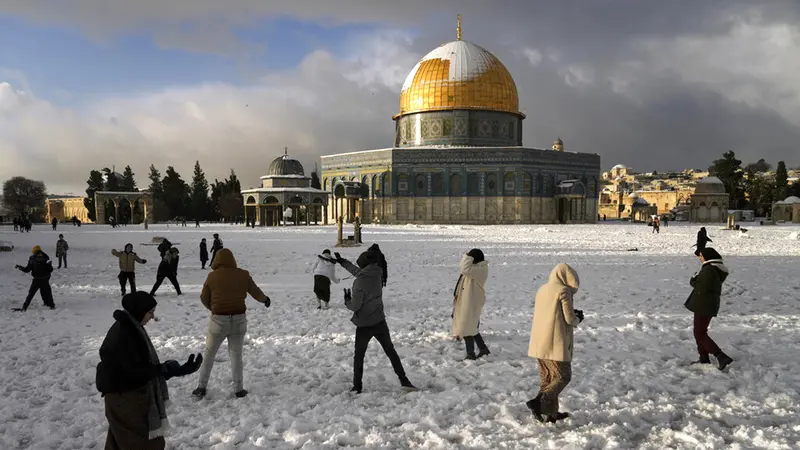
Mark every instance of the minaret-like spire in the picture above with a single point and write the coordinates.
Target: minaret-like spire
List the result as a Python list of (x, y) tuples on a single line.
[(285, 152), (458, 29)]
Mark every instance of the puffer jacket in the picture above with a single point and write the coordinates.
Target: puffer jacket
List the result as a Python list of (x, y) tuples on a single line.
[(325, 267), (128, 260), (227, 286), (39, 266), (367, 294), (707, 283)]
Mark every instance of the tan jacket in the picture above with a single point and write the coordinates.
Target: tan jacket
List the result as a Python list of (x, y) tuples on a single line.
[(470, 297), (554, 317), (127, 261), (227, 286)]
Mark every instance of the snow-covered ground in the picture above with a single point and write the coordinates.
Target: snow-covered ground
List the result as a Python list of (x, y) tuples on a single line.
[(631, 386)]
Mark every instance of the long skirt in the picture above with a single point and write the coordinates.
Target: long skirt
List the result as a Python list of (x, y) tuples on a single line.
[(127, 421), (322, 287)]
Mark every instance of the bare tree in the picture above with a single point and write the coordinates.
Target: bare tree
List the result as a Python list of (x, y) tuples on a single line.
[(23, 196)]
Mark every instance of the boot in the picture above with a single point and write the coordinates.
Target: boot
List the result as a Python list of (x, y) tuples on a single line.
[(319, 304), (356, 389), (199, 392), (558, 417), (704, 359), (535, 405), (241, 394), (407, 385), (723, 360)]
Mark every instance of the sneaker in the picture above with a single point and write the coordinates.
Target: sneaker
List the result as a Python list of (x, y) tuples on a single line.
[(535, 405), (724, 361), (558, 417), (241, 394), (356, 389), (470, 357), (199, 392), (483, 353)]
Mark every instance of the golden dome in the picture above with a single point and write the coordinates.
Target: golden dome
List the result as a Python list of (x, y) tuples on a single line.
[(459, 75)]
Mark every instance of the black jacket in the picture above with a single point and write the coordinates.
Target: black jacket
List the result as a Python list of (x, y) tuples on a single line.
[(707, 288), (39, 266), (203, 252), (164, 246), (124, 358)]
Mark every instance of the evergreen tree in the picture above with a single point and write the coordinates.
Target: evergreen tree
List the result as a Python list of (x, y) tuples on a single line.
[(95, 183), (175, 193), (781, 181), (156, 188), (128, 182), (226, 199), (729, 170), (112, 183), (315, 183), (199, 202), (759, 167)]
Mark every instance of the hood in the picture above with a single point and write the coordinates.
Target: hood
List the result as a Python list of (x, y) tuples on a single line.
[(128, 248), (719, 266), (367, 258), (174, 250), (224, 258), (137, 304), (566, 276), (370, 271), (477, 255)]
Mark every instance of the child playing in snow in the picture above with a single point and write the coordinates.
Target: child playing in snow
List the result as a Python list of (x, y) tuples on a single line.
[(324, 270), (203, 253)]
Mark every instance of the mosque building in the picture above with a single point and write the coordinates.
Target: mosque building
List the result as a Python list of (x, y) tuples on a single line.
[(458, 156)]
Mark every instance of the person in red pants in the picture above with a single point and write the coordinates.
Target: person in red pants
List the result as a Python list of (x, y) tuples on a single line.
[(704, 302)]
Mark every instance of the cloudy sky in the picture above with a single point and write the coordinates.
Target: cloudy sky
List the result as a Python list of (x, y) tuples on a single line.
[(654, 85)]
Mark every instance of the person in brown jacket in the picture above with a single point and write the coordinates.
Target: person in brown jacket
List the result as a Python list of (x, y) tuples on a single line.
[(551, 340), (224, 293), (127, 266)]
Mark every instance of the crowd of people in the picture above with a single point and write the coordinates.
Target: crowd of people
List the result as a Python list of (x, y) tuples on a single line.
[(132, 379)]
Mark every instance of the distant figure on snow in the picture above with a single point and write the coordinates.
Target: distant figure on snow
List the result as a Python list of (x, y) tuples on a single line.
[(324, 270), (203, 253), (704, 302), (702, 240), (551, 340), (469, 297), (127, 266), (224, 293), (133, 381), (656, 225), (61, 251), (366, 302), (54, 222), (40, 267), (168, 268), (215, 247)]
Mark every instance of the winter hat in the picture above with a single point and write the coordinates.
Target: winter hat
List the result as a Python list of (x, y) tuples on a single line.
[(477, 255), (36, 249), (128, 245), (138, 304), (61, 236), (326, 252), (368, 257), (709, 254), (374, 247)]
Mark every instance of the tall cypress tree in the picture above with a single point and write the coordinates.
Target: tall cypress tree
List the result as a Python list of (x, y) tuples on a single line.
[(176, 193), (781, 181), (199, 201), (95, 183), (128, 181)]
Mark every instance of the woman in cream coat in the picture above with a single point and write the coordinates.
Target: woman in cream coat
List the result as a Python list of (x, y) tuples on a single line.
[(551, 340), (468, 300)]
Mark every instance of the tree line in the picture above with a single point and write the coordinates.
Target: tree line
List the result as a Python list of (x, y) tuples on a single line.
[(173, 198), (750, 187)]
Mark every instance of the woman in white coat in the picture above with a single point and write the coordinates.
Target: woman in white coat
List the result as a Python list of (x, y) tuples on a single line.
[(324, 270), (469, 297), (551, 340)]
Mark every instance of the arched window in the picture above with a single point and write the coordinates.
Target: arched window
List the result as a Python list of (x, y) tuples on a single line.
[(325, 186), (455, 185), (527, 184), (437, 183), (491, 184), (375, 185), (509, 184), (386, 184), (421, 185), (473, 184)]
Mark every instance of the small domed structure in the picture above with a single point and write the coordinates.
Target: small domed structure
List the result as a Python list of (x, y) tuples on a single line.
[(284, 165), (709, 201), (640, 202), (793, 200), (619, 166), (558, 145), (710, 185)]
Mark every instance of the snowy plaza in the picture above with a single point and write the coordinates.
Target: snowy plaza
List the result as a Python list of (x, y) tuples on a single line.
[(632, 385)]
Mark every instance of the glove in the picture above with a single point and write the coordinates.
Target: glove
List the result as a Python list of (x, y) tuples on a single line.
[(579, 314), (171, 369), (19, 267), (192, 365), (144, 261), (338, 257), (348, 295), (267, 302)]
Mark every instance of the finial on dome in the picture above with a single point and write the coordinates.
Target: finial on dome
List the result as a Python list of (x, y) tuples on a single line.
[(458, 29)]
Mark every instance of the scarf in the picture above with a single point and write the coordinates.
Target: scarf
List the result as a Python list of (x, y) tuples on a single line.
[(157, 423)]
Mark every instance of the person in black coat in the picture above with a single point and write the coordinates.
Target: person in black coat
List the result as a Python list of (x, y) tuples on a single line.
[(168, 268), (203, 253), (164, 246), (381, 263), (132, 380), (215, 247), (702, 240), (40, 267)]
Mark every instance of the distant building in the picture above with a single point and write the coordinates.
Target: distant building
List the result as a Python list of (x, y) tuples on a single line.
[(709, 203), (65, 208), (787, 210)]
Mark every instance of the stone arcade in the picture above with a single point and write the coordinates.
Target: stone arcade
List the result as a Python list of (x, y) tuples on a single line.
[(458, 154)]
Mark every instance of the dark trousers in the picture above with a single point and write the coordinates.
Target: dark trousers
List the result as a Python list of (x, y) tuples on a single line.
[(127, 277), (213, 255), (160, 279), (363, 336), (43, 286), (203, 263), (62, 258), (470, 342), (705, 345), (322, 288)]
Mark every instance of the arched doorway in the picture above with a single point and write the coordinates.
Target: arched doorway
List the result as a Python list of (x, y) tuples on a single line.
[(272, 212)]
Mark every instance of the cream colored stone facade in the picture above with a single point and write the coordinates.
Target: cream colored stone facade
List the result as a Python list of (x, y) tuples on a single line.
[(65, 208)]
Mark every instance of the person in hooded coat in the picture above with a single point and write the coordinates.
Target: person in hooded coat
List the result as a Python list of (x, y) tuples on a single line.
[(127, 266), (132, 379), (203, 253), (366, 301), (324, 270), (168, 268), (469, 297), (704, 302), (554, 318), (164, 246), (40, 267), (702, 240), (381, 263), (224, 293)]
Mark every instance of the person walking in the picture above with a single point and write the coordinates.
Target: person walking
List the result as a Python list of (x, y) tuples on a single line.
[(127, 266), (702, 241), (168, 268), (469, 297), (324, 270), (224, 293), (203, 253), (551, 340), (54, 222), (704, 302), (61, 251), (40, 267), (133, 381), (366, 301), (215, 247)]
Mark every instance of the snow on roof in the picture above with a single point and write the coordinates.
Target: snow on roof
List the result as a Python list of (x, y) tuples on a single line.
[(710, 180), (304, 190), (792, 200), (619, 166)]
